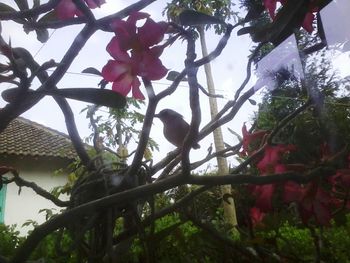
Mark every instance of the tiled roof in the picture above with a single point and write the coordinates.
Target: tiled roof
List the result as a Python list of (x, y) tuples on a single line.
[(24, 137)]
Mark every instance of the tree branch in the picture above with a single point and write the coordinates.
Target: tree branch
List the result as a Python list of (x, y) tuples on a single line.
[(20, 182)]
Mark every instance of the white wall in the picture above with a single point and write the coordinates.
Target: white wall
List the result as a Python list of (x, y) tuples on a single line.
[(23, 206)]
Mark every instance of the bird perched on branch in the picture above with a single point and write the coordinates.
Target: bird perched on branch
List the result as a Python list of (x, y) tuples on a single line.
[(175, 127)]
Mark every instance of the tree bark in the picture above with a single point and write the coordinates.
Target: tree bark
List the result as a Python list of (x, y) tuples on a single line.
[(226, 191)]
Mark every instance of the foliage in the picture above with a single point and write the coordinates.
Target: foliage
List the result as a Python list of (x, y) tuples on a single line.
[(9, 240)]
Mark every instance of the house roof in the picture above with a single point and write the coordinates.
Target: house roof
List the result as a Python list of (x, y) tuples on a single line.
[(28, 138)]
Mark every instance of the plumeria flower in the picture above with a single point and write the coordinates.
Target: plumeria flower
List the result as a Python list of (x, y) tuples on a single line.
[(67, 9)]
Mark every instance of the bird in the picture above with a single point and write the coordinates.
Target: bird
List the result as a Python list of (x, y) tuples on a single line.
[(175, 127)]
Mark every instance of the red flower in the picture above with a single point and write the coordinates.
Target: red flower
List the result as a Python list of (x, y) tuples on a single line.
[(316, 202), (249, 138), (67, 9), (342, 178), (270, 5), (312, 201), (143, 59), (263, 195), (256, 215), (271, 160), (293, 192), (122, 72)]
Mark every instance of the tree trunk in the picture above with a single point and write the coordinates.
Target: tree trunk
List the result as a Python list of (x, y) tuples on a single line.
[(226, 191)]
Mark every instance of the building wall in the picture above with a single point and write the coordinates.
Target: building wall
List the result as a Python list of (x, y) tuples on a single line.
[(24, 205)]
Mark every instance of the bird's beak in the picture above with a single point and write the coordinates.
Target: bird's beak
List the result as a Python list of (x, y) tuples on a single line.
[(156, 115)]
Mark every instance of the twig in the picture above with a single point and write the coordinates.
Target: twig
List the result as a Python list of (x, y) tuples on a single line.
[(20, 182), (209, 94)]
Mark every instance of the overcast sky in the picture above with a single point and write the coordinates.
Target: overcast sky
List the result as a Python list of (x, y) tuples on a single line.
[(228, 70)]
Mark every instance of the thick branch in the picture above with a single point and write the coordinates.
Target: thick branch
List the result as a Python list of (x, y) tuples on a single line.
[(261, 180), (194, 104)]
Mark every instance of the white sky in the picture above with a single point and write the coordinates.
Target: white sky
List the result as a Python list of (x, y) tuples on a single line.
[(228, 70)]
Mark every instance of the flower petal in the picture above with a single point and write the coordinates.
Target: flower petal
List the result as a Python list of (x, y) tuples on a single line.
[(256, 215), (151, 67), (65, 9), (114, 70), (114, 49), (264, 198), (308, 22), (293, 192), (151, 33), (135, 16), (270, 5), (136, 92), (123, 85)]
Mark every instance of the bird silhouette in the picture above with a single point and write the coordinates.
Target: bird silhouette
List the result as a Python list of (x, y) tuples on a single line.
[(175, 127)]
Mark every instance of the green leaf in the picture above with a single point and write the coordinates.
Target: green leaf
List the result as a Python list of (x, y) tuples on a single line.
[(22, 4), (92, 70), (48, 17), (172, 75), (6, 8), (42, 35), (247, 30), (101, 97), (194, 18), (253, 102)]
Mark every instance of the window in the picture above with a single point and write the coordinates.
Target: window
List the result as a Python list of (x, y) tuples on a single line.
[(2, 203)]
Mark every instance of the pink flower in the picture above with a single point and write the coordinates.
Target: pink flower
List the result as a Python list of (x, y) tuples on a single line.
[(124, 69), (67, 9), (122, 72), (142, 38), (143, 57)]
